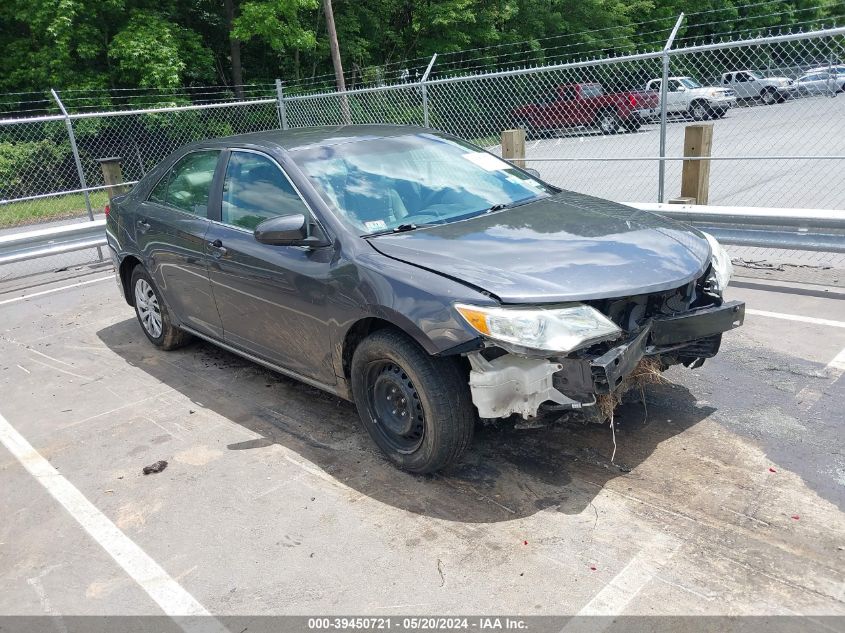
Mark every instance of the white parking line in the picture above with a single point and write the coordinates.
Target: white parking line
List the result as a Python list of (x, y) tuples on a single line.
[(811, 394), (622, 588), (795, 317), (173, 599), (52, 290)]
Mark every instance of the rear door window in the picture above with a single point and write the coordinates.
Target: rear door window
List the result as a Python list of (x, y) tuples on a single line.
[(190, 182)]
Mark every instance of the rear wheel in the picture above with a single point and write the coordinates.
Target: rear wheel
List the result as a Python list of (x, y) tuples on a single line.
[(152, 313), (608, 122), (769, 96), (416, 407)]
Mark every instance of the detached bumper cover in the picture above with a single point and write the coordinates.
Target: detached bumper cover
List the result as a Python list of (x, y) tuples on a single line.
[(664, 334)]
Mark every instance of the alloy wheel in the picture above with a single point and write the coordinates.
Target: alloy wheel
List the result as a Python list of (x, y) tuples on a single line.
[(149, 312)]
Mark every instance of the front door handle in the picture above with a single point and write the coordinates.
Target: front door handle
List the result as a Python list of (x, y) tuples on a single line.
[(217, 248), (143, 225)]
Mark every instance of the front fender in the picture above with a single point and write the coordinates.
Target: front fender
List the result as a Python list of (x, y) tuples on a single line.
[(417, 301)]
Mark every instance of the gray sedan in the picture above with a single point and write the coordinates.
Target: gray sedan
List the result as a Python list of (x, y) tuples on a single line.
[(427, 280)]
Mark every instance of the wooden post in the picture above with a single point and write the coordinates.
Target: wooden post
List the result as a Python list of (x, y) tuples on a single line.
[(513, 146), (695, 179), (113, 176)]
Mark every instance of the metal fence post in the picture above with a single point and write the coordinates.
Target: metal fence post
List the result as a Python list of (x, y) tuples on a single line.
[(280, 97), (424, 85), (664, 88), (75, 151)]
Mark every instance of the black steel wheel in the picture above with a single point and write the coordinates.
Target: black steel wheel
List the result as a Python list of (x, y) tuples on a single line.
[(417, 408)]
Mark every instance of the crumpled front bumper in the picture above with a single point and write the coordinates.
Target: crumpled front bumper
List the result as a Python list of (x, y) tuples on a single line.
[(515, 384), (663, 335)]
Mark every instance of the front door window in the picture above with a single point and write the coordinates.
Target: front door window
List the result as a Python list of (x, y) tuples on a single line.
[(255, 189)]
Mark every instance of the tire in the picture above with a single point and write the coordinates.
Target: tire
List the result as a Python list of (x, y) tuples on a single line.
[(152, 312), (700, 111), (530, 130), (389, 373), (633, 124), (608, 122), (769, 96), (721, 113)]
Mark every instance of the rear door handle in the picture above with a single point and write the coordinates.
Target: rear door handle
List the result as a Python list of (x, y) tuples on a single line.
[(217, 248), (143, 225)]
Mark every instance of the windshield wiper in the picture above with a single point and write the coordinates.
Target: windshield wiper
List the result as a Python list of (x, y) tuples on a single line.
[(402, 228), (501, 206)]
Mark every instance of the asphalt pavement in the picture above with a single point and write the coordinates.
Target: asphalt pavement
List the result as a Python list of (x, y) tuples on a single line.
[(726, 495)]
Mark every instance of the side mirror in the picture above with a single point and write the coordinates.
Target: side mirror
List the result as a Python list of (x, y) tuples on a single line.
[(680, 89), (286, 230), (532, 171)]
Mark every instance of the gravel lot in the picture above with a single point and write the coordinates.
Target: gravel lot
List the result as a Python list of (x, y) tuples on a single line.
[(726, 495)]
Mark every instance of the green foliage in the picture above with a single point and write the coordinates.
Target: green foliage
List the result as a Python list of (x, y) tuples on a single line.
[(276, 22), (81, 44), (152, 52), (24, 165)]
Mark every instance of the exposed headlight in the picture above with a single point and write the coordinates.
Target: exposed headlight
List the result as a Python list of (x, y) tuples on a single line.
[(561, 329), (723, 269)]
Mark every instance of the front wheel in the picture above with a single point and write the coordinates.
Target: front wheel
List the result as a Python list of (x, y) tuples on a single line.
[(417, 408), (700, 111), (152, 313)]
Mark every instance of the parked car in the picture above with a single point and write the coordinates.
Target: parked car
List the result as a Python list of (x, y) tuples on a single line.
[(587, 105), (686, 95), (838, 69), (822, 82), (417, 275), (752, 84)]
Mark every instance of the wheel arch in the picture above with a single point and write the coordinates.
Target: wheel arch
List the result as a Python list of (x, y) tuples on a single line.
[(127, 265), (365, 326)]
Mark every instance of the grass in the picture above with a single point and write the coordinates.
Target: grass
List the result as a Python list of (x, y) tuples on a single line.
[(52, 208)]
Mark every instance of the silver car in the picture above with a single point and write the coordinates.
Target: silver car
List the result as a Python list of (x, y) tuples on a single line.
[(752, 84), (822, 81)]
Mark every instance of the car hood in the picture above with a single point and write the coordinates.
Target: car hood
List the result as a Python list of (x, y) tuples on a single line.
[(568, 247)]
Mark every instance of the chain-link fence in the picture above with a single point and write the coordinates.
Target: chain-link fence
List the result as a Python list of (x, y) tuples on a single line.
[(595, 126), (49, 169)]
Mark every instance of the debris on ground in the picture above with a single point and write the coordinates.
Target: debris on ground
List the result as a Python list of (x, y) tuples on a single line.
[(647, 372), (155, 468)]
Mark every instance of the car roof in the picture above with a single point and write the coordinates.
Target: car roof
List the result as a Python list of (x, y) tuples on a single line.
[(304, 137)]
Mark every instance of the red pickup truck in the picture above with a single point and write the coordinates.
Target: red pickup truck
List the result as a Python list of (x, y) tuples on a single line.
[(587, 105)]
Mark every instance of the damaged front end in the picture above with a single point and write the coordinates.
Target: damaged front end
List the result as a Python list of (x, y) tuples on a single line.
[(649, 333)]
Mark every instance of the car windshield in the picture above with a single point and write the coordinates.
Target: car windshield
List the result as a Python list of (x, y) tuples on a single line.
[(756, 74), (690, 83), (381, 184)]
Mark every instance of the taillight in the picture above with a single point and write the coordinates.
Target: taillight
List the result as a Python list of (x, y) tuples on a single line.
[(632, 100), (107, 210)]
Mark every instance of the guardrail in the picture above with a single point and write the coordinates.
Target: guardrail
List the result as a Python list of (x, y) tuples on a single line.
[(56, 240), (794, 229), (799, 229)]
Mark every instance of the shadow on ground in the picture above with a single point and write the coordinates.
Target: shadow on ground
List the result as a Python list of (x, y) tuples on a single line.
[(506, 474)]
